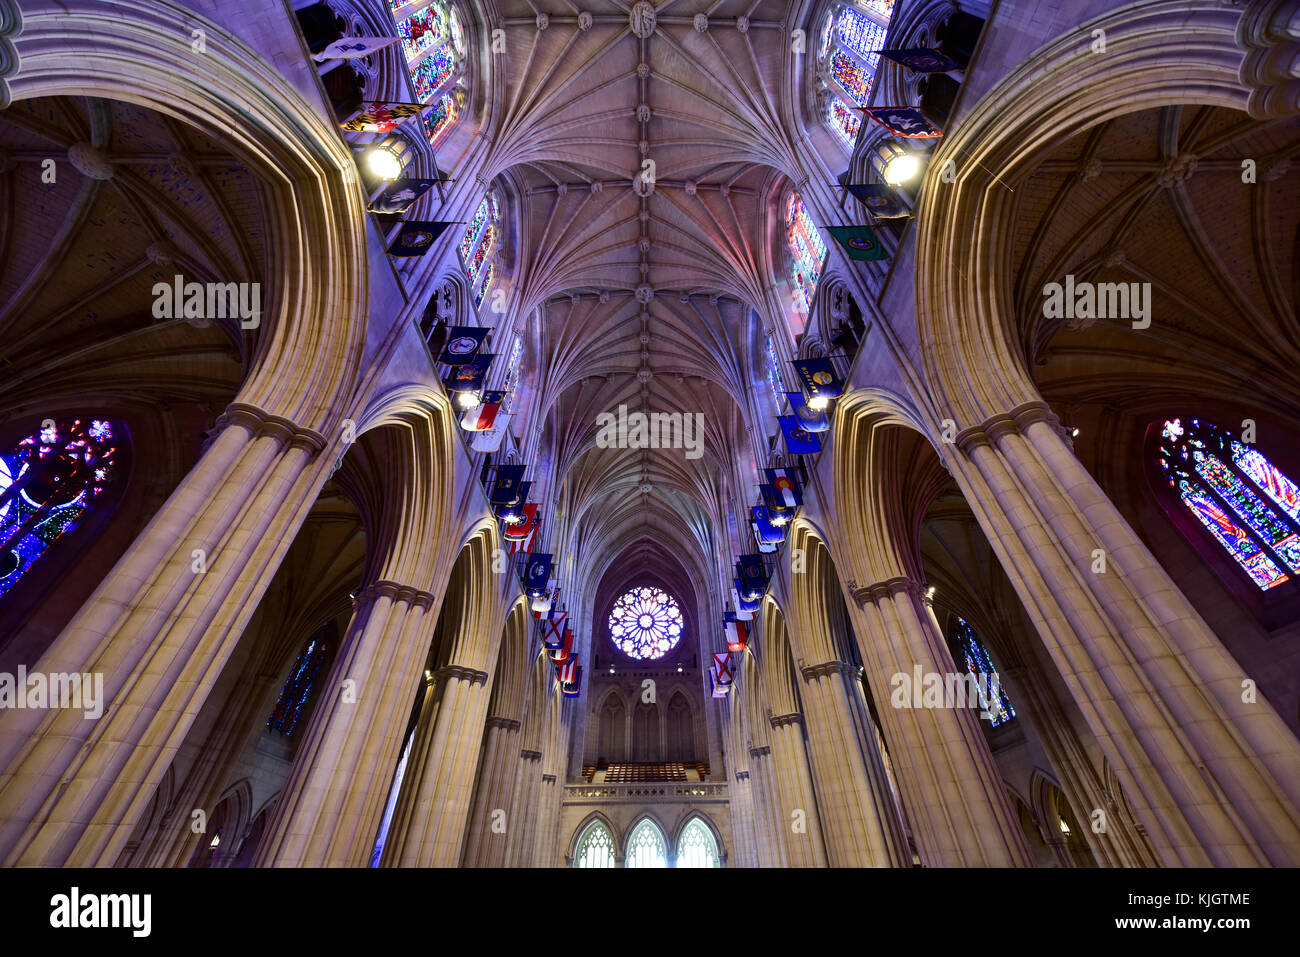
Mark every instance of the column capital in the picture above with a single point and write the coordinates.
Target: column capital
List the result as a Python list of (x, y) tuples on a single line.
[(261, 423), (530, 755), (742, 775), (871, 594), (461, 673), (507, 724), (548, 778), (395, 592), (760, 752), (1007, 423), (780, 720), (828, 668)]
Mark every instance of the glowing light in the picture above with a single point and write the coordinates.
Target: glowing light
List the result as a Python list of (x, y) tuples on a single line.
[(902, 168), (383, 163)]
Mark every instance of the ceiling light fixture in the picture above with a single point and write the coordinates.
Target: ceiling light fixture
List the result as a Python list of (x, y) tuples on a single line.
[(387, 158)]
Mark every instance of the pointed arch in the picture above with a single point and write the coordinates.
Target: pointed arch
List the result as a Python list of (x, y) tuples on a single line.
[(646, 843), (594, 843), (697, 842)]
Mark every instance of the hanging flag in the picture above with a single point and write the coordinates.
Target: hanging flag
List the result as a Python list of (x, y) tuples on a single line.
[(537, 572), (480, 419), (512, 513), (786, 484), (763, 547), (716, 689), (561, 655), (797, 440), (489, 440), (573, 687), (722, 667), (351, 48), (778, 513), (553, 637), (740, 614), (400, 194), (416, 237), (569, 671), (859, 242), (922, 59), (810, 419), (903, 121), (463, 344), (764, 531), (470, 376), (819, 381), (520, 530), (382, 117), (881, 200), (747, 606), (752, 576), (737, 633), (506, 486)]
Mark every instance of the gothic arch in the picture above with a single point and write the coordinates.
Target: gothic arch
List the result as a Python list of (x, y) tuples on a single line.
[(687, 816), (578, 832)]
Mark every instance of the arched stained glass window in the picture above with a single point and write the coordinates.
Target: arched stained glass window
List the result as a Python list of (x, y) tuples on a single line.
[(847, 61), (434, 46), (645, 623), (394, 790), (47, 482), (646, 846), (697, 847), (774, 377), (807, 252), (511, 383), (1250, 507), (478, 247), (298, 686), (995, 703), (595, 847)]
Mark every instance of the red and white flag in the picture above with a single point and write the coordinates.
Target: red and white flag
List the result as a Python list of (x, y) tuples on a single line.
[(481, 419), (737, 634), (722, 667)]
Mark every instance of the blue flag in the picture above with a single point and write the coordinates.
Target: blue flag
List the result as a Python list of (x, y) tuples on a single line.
[(785, 486), (508, 487), (745, 605), (881, 201), (903, 121), (798, 441), (416, 237), (752, 576), (768, 534), (537, 572), (810, 419), (470, 376), (463, 344), (398, 196), (922, 59)]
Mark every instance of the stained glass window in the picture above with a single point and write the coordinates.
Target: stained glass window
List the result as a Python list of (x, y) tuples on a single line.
[(47, 482), (393, 791), (479, 245), (475, 226), (511, 383), (774, 378), (645, 623), (434, 45), (998, 709), (297, 687), (646, 846), (487, 282), (439, 119), (844, 121), (848, 60), (696, 847), (807, 250), (595, 847), (1220, 480)]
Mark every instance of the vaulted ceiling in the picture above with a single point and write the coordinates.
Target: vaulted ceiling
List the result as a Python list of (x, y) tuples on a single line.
[(646, 144)]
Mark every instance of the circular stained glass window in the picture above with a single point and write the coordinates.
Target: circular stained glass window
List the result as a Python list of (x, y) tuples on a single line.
[(645, 623)]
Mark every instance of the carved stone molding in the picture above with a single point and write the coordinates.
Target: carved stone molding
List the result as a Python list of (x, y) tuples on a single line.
[(395, 592), (505, 724), (530, 755), (264, 424), (461, 673), (548, 778), (826, 669), (1006, 423), (781, 720), (760, 752), (871, 594)]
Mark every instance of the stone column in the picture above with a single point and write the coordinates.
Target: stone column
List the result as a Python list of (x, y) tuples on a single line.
[(528, 782), (485, 844), (329, 811), (429, 826), (795, 786), (742, 822), (1214, 779), (954, 796), (860, 824), (159, 630), (768, 813)]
